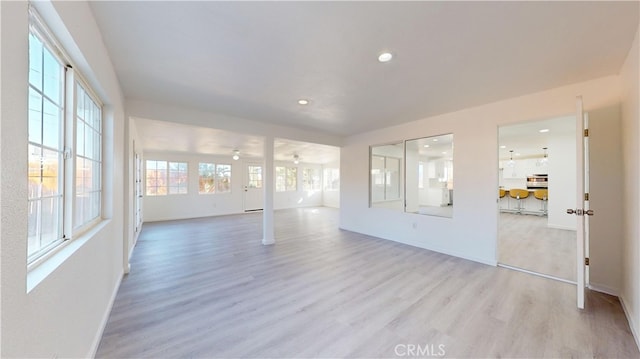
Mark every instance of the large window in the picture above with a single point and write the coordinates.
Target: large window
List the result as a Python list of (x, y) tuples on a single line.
[(310, 179), (214, 178), (286, 179), (166, 178), (178, 177), (156, 176), (331, 178), (88, 158), (65, 137), (46, 147)]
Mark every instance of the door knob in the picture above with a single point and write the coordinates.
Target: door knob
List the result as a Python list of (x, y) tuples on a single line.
[(570, 211), (589, 212)]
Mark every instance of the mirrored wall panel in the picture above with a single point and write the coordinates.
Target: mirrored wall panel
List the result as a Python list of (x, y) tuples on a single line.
[(429, 184), (386, 176)]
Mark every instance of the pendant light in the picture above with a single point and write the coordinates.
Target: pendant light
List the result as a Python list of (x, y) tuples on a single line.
[(236, 155), (544, 161), (511, 162)]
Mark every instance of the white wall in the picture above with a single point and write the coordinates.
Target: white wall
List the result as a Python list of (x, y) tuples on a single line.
[(472, 231), (193, 204), (606, 198), (630, 293), (412, 193), (63, 316)]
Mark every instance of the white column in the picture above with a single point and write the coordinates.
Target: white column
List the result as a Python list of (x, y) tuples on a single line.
[(268, 188)]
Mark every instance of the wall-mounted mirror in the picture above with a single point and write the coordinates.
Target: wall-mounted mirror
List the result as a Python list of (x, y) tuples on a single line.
[(386, 176), (429, 184)]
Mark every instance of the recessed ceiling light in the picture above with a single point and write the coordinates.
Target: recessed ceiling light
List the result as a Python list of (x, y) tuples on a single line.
[(503, 146), (444, 152), (385, 57), (435, 140), (544, 130), (303, 102), (517, 154), (426, 146)]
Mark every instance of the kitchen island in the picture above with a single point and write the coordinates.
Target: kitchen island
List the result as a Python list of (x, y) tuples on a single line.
[(529, 205)]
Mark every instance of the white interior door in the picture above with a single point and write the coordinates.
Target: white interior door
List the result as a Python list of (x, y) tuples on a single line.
[(253, 187), (582, 211)]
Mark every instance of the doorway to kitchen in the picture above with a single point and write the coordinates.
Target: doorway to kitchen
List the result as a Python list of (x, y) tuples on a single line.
[(537, 183)]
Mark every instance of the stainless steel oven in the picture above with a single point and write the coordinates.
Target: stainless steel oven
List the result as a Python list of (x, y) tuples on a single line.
[(538, 181)]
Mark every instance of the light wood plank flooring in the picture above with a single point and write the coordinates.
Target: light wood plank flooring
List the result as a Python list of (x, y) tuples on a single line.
[(207, 288), (525, 241)]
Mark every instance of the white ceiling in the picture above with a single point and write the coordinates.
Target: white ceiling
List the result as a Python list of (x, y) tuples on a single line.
[(161, 136), (526, 140), (255, 59)]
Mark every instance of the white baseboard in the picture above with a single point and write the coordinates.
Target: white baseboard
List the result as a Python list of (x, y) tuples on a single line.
[(632, 323), (555, 226), (604, 289), (105, 318)]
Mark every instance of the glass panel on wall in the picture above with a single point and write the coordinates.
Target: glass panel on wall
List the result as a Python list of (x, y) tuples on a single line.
[(429, 182), (386, 176)]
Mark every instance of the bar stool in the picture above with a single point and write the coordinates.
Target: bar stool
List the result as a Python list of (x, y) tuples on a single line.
[(542, 195), (501, 194), (518, 194)]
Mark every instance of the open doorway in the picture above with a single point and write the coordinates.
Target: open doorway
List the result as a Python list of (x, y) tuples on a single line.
[(537, 183)]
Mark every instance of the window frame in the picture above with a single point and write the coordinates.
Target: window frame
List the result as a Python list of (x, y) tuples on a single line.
[(329, 178), (69, 82), (178, 172), (157, 187), (166, 177), (82, 227), (288, 180), (311, 179), (216, 178)]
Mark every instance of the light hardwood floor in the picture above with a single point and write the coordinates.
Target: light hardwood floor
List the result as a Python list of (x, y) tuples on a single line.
[(208, 288), (525, 241)]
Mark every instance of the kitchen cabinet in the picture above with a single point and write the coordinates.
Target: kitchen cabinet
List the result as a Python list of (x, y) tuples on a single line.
[(522, 168), (437, 170), (513, 172)]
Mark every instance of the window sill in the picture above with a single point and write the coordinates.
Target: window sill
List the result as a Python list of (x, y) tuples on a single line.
[(39, 270)]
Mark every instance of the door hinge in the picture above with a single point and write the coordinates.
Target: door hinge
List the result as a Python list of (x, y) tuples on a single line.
[(586, 132), (586, 261), (586, 196)]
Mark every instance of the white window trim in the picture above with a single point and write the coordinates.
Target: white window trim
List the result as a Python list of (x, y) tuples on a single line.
[(69, 235), (146, 193), (216, 179)]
